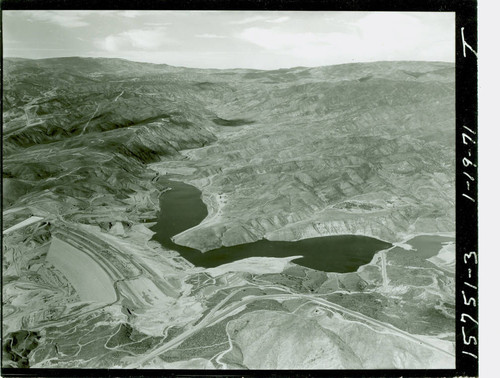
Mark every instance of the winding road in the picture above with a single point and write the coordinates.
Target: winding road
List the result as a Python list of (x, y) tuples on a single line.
[(213, 317)]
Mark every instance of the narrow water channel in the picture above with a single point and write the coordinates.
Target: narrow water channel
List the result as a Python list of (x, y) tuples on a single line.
[(181, 208)]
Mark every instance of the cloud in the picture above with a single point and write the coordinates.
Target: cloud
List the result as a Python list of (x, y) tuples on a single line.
[(157, 23), (278, 20), (131, 14), (408, 35), (136, 39), (247, 20), (303, 48), (208, 35), (67, 19), (376, 36), (393, 28), (252, 19), (272, 39)]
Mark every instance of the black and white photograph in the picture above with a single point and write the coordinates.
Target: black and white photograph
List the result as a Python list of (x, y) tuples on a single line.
[(241, 190)]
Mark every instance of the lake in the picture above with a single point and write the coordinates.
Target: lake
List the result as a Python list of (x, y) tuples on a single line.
[(181, 208)]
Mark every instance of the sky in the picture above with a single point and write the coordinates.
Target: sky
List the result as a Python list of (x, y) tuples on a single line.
[(231, 39)]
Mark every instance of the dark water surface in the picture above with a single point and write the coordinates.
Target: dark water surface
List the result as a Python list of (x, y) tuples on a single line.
[(424, 247), (232, 122), (429, 245), (182, 208)]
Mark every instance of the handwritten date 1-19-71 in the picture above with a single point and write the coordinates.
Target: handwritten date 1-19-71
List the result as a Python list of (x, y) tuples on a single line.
[(468, 164)]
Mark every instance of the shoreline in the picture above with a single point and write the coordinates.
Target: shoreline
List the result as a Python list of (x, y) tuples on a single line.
[(215, 203)]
